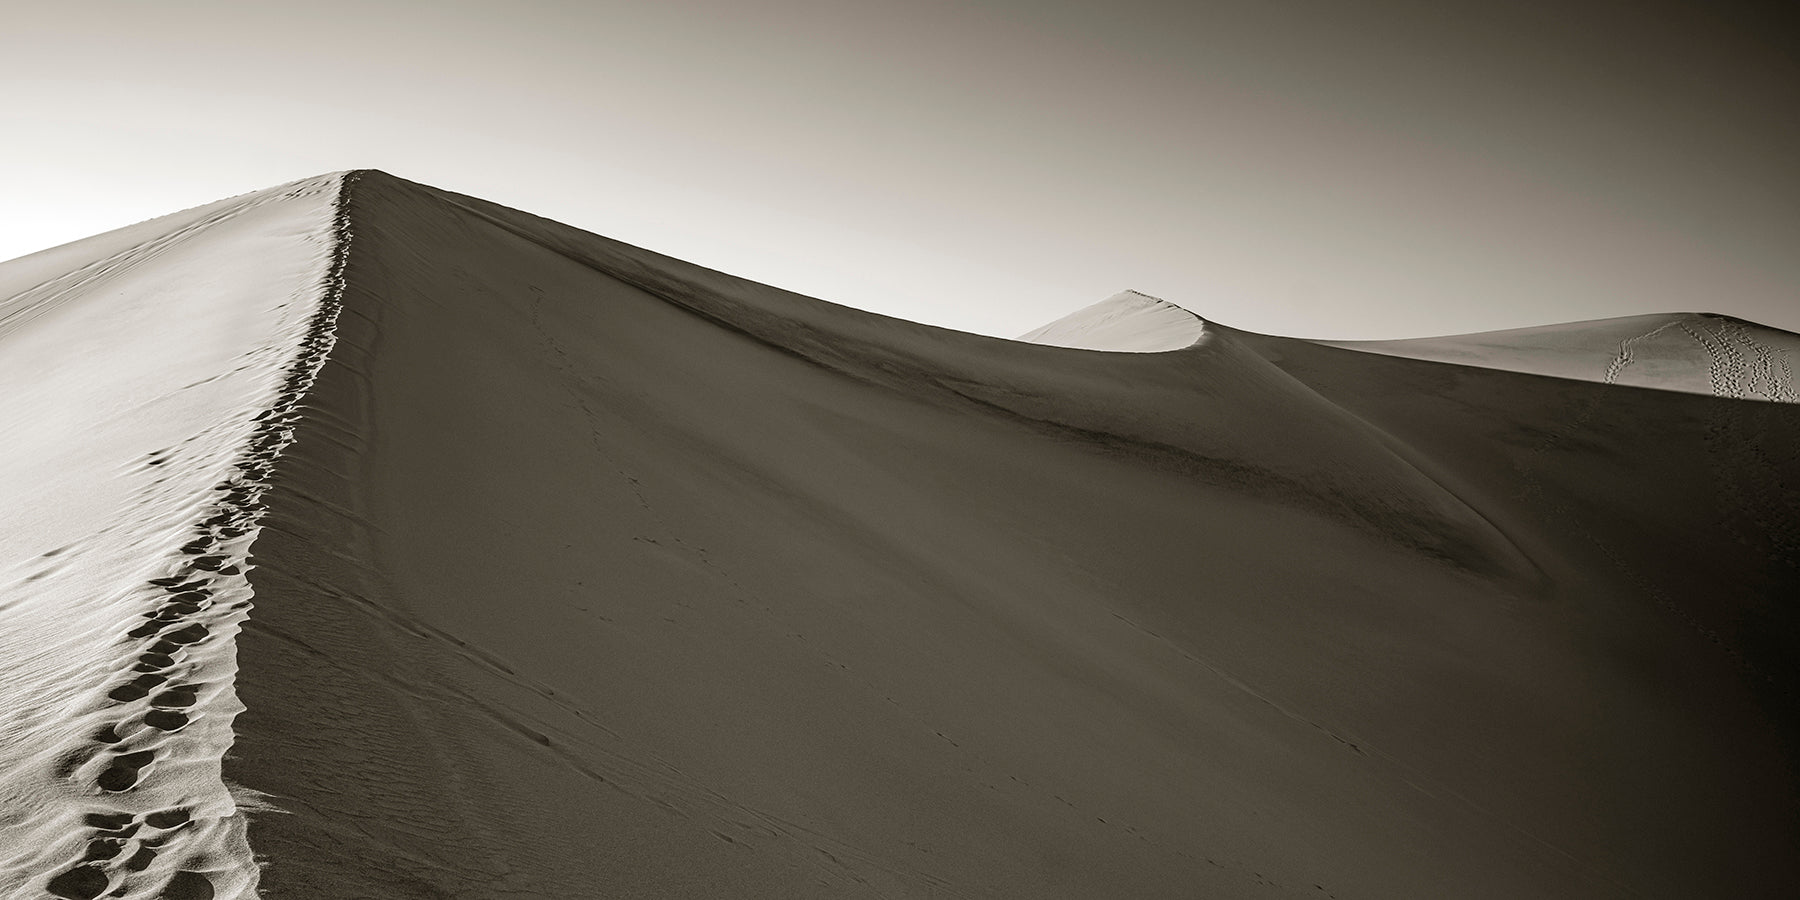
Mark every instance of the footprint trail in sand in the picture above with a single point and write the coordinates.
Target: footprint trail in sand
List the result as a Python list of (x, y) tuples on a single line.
[(118, 641)]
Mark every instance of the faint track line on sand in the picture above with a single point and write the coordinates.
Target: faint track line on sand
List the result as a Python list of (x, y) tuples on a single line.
[(1626, 348)]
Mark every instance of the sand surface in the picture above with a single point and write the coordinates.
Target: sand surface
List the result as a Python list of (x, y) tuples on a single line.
[(588, 572)]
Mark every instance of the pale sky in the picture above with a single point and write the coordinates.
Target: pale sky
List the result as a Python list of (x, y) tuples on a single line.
[(1326, 169)]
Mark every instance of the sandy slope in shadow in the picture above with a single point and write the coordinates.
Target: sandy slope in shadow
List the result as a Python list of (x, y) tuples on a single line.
[(593, 573)]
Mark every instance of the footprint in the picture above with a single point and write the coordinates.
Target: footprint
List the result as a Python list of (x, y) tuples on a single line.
[(122, 775), (178, 697), (192, 634), (156, 660), (165, 720), (138, 688), (135, 760), (168, 818), (145, 630), (101, 849), (106, 821), (79, 883)]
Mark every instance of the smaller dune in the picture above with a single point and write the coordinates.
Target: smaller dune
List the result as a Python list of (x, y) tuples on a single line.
[(1127, 322)]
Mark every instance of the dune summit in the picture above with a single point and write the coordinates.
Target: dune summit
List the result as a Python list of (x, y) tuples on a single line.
[(1128, 321), (370, 540)]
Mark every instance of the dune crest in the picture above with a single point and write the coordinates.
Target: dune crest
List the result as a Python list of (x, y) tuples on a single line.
[(579, 570), (1128, 321)]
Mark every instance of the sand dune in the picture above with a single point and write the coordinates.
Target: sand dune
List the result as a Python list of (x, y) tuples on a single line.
[(588, 572), (1699, 353), (1126, 321)]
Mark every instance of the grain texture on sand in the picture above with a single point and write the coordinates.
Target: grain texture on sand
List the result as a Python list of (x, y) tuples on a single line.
[(593, 573)]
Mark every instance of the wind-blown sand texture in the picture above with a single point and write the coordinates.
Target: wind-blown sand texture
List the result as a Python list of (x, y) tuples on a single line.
[(511, 561)]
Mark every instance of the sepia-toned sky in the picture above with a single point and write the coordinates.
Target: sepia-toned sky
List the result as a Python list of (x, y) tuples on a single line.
[(1324, 169)]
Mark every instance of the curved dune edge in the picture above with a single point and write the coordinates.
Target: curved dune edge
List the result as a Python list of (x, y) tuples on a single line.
[(1127, 322)]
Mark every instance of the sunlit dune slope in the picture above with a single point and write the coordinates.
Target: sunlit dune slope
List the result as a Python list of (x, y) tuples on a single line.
[(144, 379), (1126, 321)]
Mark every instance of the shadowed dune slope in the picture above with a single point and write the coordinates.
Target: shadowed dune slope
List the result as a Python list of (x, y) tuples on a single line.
[(595, 573)]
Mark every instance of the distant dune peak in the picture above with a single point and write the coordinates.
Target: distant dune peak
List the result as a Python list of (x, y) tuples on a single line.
[(1129, 322), (1697, 353)]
